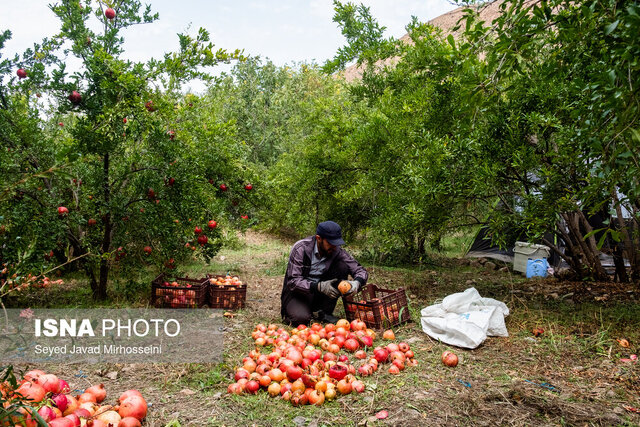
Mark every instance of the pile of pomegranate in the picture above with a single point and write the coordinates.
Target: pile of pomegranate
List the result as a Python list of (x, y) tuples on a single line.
[(176, 298), (51, 398), (307, 365)]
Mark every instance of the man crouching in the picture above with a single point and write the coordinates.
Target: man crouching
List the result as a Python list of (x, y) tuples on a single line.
[(316, 265)]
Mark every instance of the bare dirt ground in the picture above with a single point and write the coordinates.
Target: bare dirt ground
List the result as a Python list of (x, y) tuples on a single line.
[(571, 375)]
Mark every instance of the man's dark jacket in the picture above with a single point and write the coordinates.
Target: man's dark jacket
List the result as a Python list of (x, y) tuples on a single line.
[(296, 280)]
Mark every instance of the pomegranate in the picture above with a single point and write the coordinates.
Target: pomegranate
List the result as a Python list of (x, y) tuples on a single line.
[(360, 354), (133, 406), (241, 373), (399, 364), (366, 340), (351, 345), (264, 381), (33, 374), (397, 355), (83, 413), (60, 400), (329, 356), (75, 419), (293, 373), (337, 372), (365, 370), (49, 382), (344, 387), (75, 97), (252, 387), (274, 389), (343, 323), (299, 399), (72, 405), (86, 397), (297, 386), (31, 391), (358, 386), (321, 386), (127, 394), (382, 414), (276, 375), (62, 422), (309, 380), (89, 407), (249, 366), (449, 359), (234, 388), (389, 335), (112, 417), (286, 387), (403, 347), (46, 413), (129, 422), (316, 397)]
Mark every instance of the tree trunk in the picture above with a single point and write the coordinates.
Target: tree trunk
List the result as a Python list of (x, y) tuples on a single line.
[(629, 247), (601, 273), (100, 292), (590, 258), (573, 258), (618, 260)]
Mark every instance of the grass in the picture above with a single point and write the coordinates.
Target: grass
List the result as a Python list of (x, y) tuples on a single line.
[(577, 353)]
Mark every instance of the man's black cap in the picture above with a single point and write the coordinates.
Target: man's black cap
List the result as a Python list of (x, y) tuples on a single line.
[(330, 231)]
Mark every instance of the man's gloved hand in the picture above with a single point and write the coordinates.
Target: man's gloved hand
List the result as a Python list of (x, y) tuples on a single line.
[(355, 287), (327, 288)]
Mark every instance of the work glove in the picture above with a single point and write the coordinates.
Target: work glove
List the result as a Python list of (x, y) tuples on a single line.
[(327, 288), (355, 287)]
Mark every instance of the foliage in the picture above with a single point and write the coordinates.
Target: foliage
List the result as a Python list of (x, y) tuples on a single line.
[(137, 169), (528, 123), (558, 108), (13, 406)]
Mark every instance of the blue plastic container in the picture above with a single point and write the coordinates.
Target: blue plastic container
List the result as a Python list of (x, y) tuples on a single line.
[(537, 267)]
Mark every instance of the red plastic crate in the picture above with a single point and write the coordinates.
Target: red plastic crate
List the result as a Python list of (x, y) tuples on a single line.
[(227, 297), (180, 292), (379, 308)]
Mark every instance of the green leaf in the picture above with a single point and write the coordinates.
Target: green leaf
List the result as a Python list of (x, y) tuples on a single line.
[(451, 40), (592, 232), (602, 239), (611, 27)]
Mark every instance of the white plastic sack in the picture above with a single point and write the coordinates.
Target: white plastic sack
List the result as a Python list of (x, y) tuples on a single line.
[(465, 319)]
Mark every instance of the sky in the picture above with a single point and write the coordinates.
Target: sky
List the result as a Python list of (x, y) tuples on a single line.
[(285, 31)]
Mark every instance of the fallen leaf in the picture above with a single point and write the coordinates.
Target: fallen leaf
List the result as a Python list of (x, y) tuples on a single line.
[(623, 343), (187, 392)]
